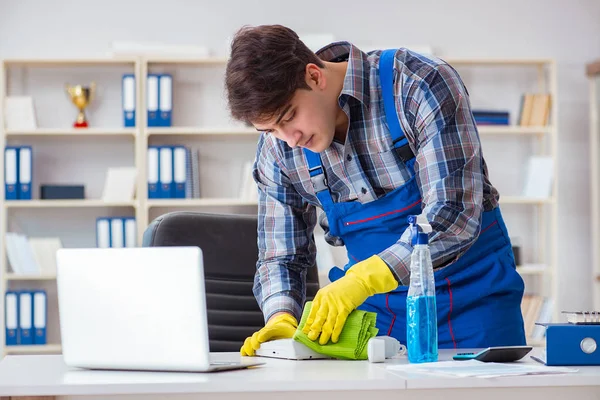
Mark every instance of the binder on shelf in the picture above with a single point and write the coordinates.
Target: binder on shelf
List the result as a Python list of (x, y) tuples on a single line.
[(153, 173), (11, 171), (102, 232), (180, 177), (11, 318), (117, 233), (167, 188), (165, 104), (130, 232), (25, 167), (128, 97), (25, 318), (40, 316), (152, 100)]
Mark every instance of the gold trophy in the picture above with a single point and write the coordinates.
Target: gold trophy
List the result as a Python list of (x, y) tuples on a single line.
[(81, 96)]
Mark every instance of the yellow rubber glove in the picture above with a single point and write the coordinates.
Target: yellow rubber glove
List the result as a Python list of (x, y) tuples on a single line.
[(282, 326), (334, 302)]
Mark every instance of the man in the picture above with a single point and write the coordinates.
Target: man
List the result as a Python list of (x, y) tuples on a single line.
[(370, 139)]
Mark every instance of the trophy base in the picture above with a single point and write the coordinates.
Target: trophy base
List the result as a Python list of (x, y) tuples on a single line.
[(83, 124)]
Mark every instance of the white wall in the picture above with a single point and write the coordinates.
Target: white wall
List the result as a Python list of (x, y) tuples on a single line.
[(568, 31)]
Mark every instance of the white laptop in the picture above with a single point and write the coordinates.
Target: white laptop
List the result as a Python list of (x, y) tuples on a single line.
[(136, 309)]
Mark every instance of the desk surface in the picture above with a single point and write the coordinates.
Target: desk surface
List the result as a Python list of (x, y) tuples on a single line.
[(32, 375)]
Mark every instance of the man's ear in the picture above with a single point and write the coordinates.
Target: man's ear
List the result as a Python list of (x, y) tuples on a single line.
[(315, 78)]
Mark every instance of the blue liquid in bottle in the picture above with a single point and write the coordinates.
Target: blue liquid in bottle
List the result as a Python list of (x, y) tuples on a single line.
[(421, 310), (421, 325)]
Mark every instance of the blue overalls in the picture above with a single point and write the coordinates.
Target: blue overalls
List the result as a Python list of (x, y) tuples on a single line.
[(478, 296)]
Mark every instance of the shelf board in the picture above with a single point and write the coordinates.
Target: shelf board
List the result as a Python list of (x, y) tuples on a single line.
[(215, 61), (532, 270), (525, 200), (73, 132), (190, 130), (34, 349), (513, 130), (68, 62), (498, 61), (200, 202), (89, 203), (22, 277)]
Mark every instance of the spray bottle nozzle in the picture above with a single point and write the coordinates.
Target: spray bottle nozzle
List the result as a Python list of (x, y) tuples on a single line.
[(417, 224)]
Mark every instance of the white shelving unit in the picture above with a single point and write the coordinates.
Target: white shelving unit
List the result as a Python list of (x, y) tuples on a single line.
[(536, 75), (200, 119), (593, 75)]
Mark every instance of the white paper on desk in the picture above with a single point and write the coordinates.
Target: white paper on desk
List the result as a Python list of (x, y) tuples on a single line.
[(474, 368)]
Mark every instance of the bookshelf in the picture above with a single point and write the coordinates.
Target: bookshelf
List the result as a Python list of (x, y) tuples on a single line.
[(199, 119), (593, 76), (506, 148)]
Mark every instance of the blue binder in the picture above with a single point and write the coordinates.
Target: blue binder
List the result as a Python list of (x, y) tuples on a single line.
[(25, 318), (571, 344), (11, 318), (152, 100), (11, 173), (153, 172), (25, 172), (128, 100), (180, 177), (40, 316), (167, 186), (165, 103)]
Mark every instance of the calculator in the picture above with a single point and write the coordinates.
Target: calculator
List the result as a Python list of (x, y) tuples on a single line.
[(496, 354)]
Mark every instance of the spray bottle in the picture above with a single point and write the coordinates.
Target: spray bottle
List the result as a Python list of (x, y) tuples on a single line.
[(421, 311)]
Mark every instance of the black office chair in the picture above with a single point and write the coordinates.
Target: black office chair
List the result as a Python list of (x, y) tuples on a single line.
[(230, 252)]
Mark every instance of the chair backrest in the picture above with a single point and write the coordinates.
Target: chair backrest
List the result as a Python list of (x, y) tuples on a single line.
[(230, 252)]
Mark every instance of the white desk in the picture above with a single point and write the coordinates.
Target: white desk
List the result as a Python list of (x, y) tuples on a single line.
[(307, 380)]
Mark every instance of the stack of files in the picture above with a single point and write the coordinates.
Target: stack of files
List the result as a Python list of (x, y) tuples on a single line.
[(25, 316), (490, 117), (17, 172), (173, 172), (159, 100), (116, 232), (30, 255)]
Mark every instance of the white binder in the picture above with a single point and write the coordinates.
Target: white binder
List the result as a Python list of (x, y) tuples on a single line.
[(116, 233), (130, 232), (102, 233)]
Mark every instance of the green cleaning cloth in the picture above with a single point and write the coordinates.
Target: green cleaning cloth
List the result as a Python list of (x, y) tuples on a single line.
[(352, 344)]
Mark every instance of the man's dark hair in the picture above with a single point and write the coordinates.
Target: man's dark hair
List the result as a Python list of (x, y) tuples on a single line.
[(266, 66)]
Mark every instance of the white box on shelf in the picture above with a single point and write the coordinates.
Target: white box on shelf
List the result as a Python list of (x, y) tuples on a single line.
[(538, 183), (19, 113), (120, 184)]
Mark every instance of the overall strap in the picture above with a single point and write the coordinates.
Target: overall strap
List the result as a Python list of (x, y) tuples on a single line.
[(386, 76), (317, 177)]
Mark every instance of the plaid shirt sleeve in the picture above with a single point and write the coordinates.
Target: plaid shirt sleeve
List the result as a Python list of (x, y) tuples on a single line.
[(448, 167), (285, 245)]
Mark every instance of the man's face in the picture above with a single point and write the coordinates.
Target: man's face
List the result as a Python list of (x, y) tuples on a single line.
[(308, 121)]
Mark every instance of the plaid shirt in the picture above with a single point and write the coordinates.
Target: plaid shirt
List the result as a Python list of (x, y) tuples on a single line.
[(435, 116)]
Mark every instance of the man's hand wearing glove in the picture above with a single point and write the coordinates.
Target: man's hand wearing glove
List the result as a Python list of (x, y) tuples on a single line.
[(279, 326), (334, 302)]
